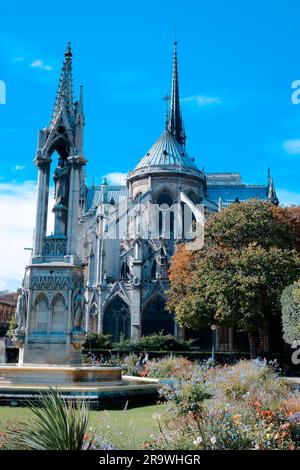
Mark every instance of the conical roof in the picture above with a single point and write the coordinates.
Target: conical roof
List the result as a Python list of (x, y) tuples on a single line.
[(166, 151)]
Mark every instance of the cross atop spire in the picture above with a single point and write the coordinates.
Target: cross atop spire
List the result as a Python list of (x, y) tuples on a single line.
[(175, 122), (64, 95)]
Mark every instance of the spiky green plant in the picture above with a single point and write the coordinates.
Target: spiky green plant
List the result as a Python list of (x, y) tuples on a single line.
[(56, 424)]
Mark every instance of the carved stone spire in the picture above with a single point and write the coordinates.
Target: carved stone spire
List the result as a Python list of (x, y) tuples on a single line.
[(272, 196), (64, 97), (175, 123)]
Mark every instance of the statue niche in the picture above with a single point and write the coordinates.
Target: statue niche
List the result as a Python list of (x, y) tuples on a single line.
[(61, 180), (61, 194), (78, 309)]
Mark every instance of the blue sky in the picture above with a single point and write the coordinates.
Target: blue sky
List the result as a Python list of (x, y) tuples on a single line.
[(237, 60)]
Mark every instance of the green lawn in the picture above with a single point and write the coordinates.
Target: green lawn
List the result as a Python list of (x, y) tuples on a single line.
[(126, 429)]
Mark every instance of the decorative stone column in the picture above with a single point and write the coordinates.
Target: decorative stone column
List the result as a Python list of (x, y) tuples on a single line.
[(178, 221), (135, 314), (76, 163), (43, 165)]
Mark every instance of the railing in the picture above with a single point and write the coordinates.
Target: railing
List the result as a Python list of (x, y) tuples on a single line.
[(55, 246), (164, 169)]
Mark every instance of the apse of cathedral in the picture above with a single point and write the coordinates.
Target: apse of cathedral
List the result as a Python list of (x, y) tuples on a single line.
[(129, 233), (126, 235)]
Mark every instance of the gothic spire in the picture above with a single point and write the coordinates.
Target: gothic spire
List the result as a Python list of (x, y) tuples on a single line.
[(272, 196), (175, 122), (64, 95)]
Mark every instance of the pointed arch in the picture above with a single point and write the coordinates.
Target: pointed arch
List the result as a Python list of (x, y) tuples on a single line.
[(116, 319), (125, 270), (58, 314), (117, 293), (153, 269), (155, 317), (93, 318), (41, 317)]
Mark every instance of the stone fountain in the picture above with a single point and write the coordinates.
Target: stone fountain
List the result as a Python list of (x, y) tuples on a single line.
[(50, 311)]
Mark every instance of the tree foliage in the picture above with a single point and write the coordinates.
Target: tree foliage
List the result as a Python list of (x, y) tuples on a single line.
[(252, 221), (238, 277), (290, 216), (290, 301)]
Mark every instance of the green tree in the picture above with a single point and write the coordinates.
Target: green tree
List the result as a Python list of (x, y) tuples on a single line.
[(252, 221), (290, 301), (12, 326), (238, 277)]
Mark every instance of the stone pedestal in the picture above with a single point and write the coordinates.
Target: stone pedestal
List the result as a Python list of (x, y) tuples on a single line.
[(54, 304), (51, 350)]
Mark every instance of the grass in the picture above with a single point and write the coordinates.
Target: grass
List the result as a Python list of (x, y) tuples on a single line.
[(130, 428)]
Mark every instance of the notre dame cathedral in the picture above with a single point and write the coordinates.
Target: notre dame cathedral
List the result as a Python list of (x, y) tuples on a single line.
[(119, 240)]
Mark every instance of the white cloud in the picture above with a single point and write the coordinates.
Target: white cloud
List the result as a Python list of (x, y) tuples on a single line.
[(17, 215), (291, 146), (17, 211), (40, 65), (18, 168), (116, 178), (288, 198), (202, 100)]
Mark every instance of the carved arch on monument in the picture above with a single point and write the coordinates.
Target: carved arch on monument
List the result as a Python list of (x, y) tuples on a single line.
[(58, 314), (117, 319), (156, 318), (41, 314)]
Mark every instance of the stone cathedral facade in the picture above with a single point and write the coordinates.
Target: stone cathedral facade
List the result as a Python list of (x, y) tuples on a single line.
[(119, 240)]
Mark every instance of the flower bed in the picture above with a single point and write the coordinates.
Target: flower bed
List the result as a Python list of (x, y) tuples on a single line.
[(245, 406)]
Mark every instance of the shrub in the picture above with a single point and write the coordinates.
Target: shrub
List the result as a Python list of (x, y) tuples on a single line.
[(290, 302), (168, 367), (155, 342), (128, 363), (56, 425), (98, 341), (160, 342), (12, 326)]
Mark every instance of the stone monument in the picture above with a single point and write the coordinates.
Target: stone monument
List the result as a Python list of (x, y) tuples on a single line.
[(50, 310)]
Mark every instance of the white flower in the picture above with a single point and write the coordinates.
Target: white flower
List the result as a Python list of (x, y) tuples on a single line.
[(213, 440), (198, 441)]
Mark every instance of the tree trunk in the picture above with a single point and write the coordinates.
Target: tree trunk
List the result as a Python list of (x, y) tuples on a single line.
[(252, 345), (263, 342)]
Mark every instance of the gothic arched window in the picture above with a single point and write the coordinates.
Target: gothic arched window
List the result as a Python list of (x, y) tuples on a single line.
[(153, 269), (166, 215), (116, 320), (125, 270), (156, 318), (93, 319)]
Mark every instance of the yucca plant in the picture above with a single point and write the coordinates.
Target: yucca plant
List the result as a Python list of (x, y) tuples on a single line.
[(56, 424)]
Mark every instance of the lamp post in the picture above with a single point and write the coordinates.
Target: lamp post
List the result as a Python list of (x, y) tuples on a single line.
[(213, 347)]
